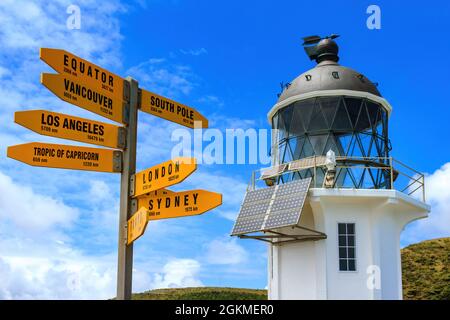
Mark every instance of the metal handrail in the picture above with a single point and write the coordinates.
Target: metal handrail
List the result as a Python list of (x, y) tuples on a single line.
[(396, 169)]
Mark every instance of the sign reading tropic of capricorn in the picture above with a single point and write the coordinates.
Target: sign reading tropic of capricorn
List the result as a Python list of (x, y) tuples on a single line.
[(143, 196)]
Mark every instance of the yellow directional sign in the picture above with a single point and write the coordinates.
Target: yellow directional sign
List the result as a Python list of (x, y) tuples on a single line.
[(67, 157), (170, 110), (84, 72), (136, 225), (180, 204), (160, 192), (63, 126), (163, 175), (82, 95)]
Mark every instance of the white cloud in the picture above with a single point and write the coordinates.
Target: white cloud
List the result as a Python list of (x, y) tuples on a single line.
[(212, 100), (30, 211), (225, 251), (194, 52), (437, 187), (46, 278), (159, 75), (178, 273)]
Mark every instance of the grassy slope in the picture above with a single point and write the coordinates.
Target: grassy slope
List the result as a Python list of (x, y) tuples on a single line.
[(426, 270), (202, 293), (426, 275)]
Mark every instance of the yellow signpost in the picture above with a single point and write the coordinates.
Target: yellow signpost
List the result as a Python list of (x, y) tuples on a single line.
[(67, 157), (171, 110), (63, 126), (136, 225), (170, 205), (180, 204), (81, 95), (163, 175), (83, 71), (95, 89)]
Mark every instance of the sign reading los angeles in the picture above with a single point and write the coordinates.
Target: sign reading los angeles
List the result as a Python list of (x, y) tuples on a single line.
[(163, 175), (63, 126), (180, 204), (171, 110), (83, 71), (67, 157), (81, 95)]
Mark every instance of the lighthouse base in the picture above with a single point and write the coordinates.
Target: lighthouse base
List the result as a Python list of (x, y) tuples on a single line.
[(359, 259)]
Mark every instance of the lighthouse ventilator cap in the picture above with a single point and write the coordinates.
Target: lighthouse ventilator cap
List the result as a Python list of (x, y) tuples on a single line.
[(270, 208)]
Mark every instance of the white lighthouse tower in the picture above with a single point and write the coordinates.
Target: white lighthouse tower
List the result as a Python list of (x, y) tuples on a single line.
[(334, 203)]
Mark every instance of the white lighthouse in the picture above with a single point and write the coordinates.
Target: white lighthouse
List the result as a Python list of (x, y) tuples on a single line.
[(334, 203)]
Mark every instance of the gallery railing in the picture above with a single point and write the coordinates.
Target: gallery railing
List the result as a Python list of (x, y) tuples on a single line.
[(348, 172)]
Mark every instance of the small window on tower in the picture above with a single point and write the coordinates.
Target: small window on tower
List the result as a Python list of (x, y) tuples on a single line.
[(346, 243)]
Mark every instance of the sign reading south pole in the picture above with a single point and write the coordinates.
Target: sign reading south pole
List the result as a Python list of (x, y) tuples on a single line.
[(63, 126), (163, 175), (171, 110), (180, 204), (67, 157), (83, 71), (81, 95)]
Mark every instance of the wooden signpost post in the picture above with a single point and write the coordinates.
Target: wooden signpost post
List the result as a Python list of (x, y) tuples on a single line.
[(143, 196)]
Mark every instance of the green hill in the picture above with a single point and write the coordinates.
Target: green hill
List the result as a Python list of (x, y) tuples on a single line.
[(425, 266), (202, 293), (426, 270)]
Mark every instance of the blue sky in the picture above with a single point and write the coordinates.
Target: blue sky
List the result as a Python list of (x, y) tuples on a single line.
[(58, 228)]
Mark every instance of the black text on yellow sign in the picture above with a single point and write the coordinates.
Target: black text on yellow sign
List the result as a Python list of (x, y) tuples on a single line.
[(163, 175), (73, 128), (180, 204), (136, 225), (171, 110), (84, 71), (83, 96), (67, 157)]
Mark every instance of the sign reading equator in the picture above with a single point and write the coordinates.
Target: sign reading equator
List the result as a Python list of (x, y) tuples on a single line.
[(171, 110), (163, 175), (63, 126), (50, 155), (77, 93), (180, 204), (83, 71)]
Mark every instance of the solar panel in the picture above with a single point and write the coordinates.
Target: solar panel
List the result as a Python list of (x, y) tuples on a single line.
[(248, 224), (273, 207)]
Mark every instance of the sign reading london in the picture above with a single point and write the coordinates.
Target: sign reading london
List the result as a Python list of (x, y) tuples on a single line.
[(163, 175), (171, 110), (180, 204), (67, 157), (73, 128), (83, 71), (94, 100)]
